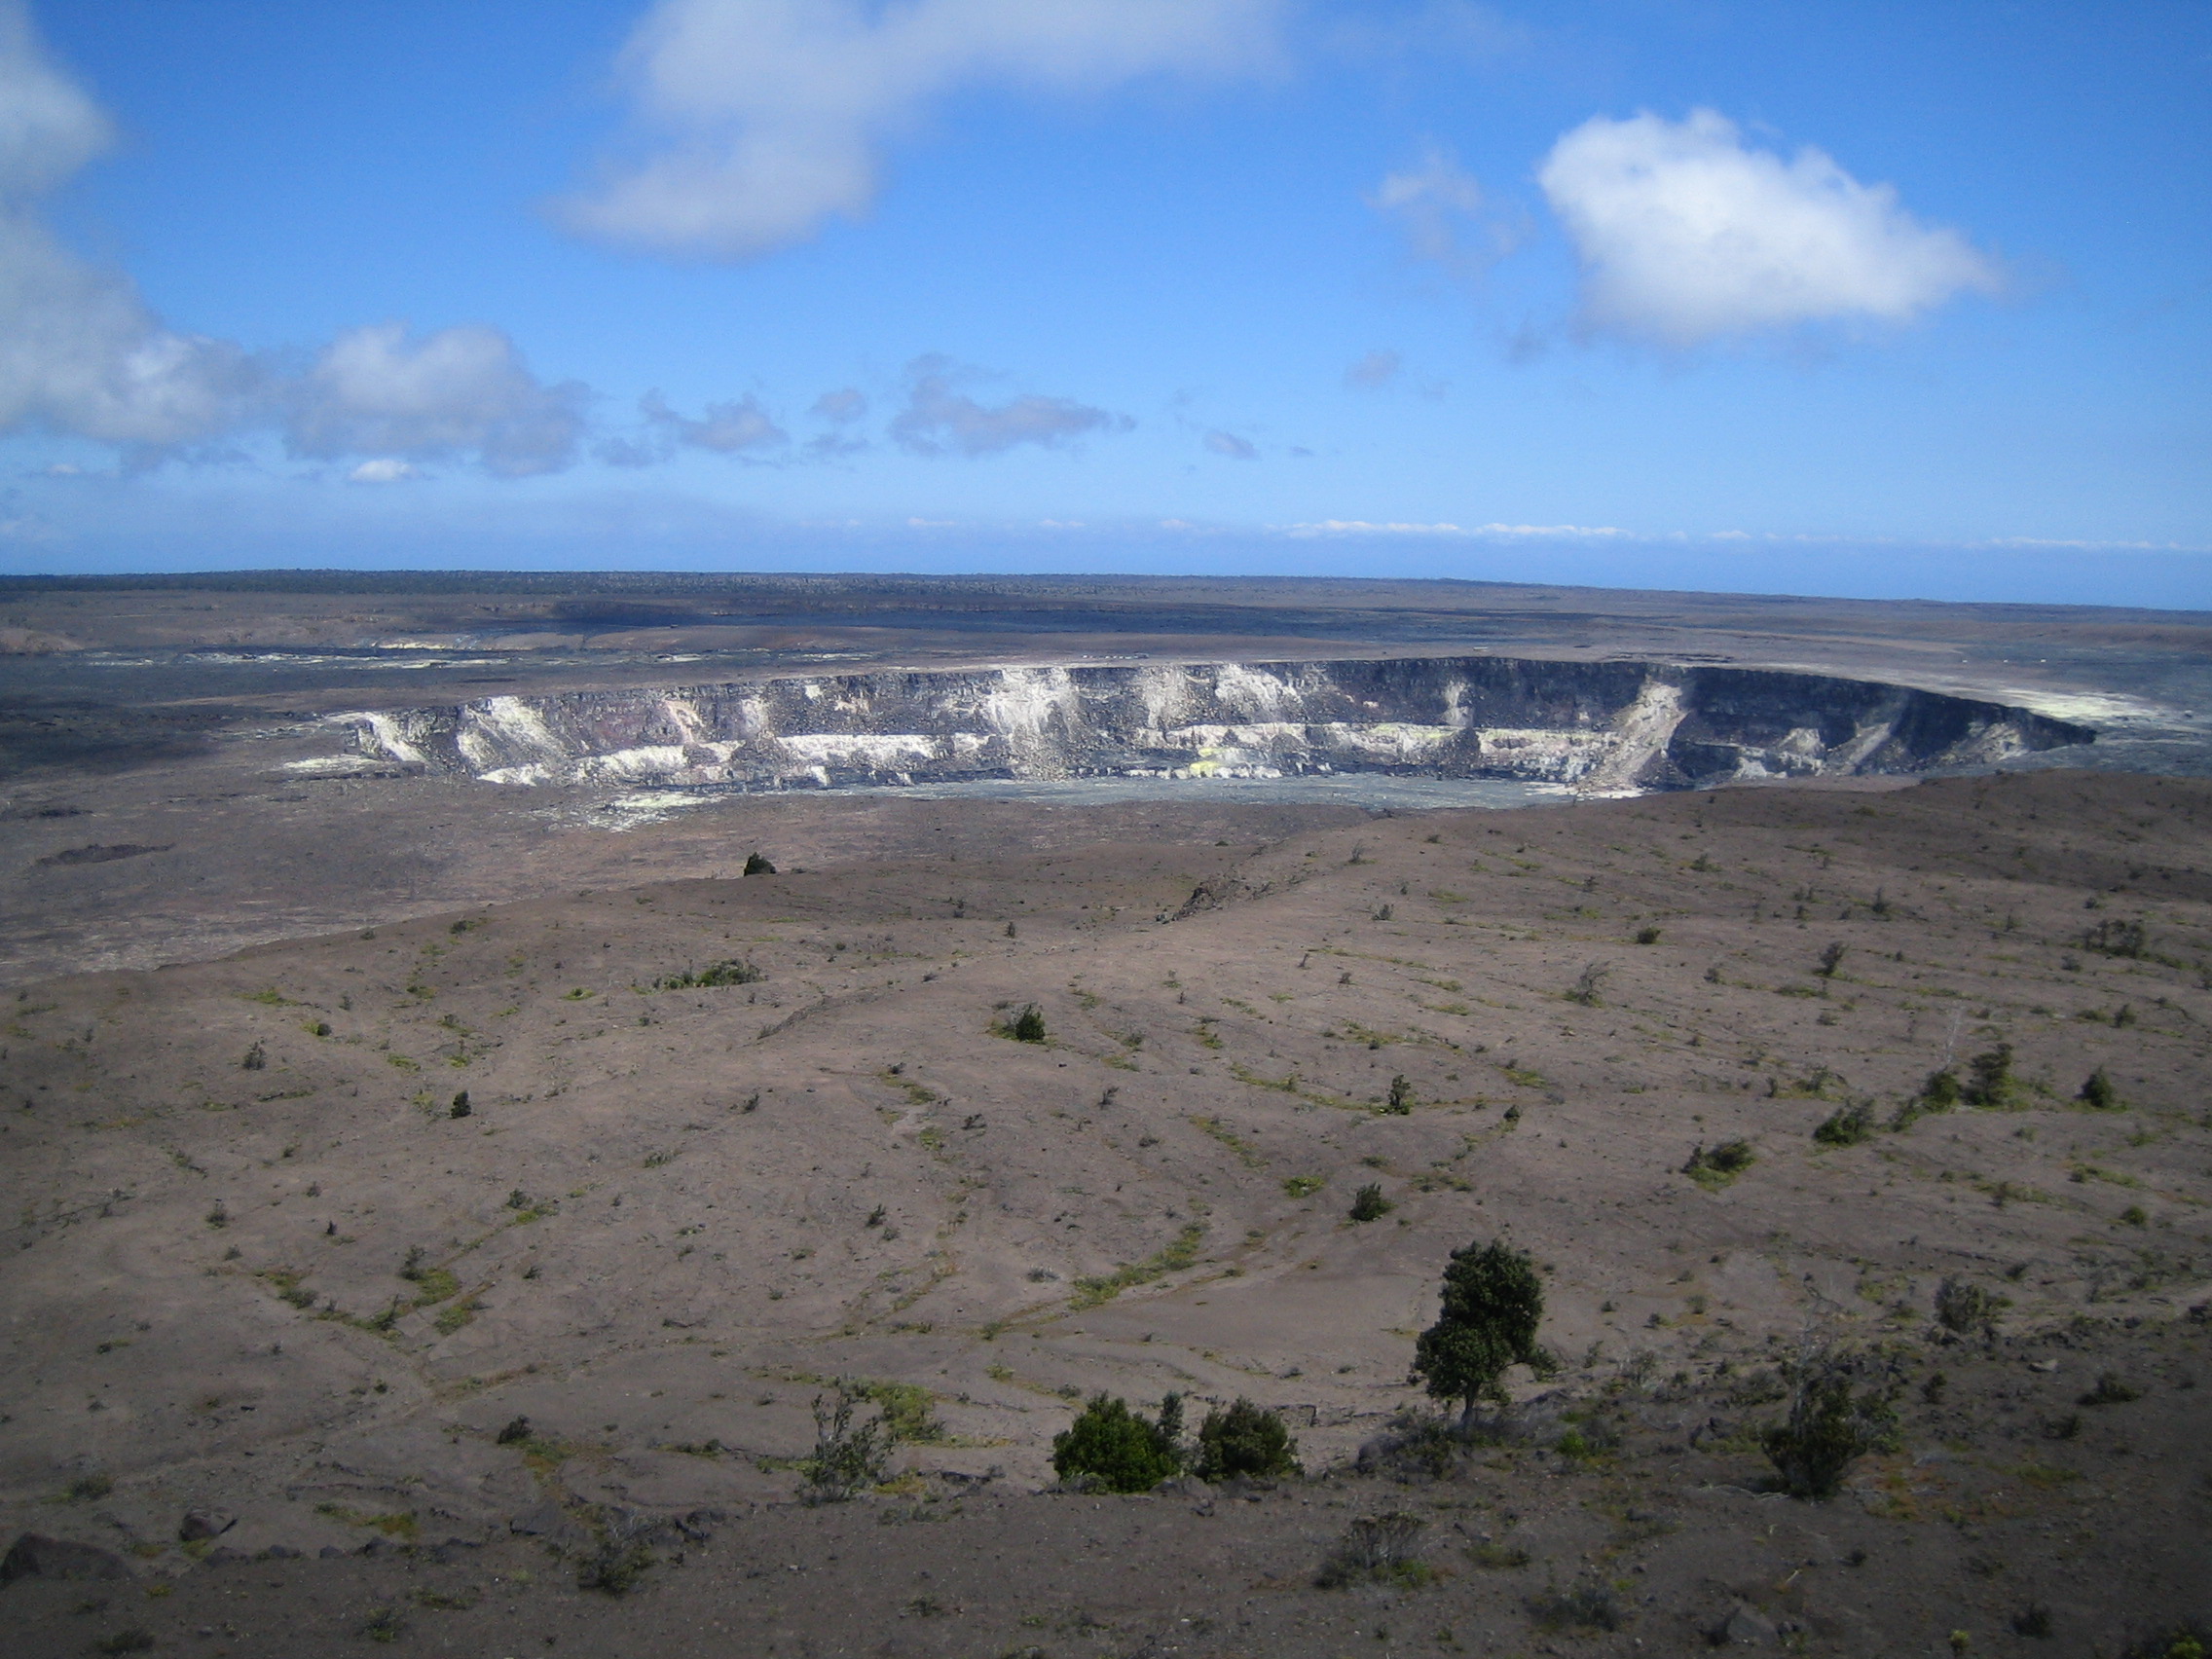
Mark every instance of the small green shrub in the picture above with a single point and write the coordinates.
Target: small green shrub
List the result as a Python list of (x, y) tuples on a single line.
[(1989, 1078), (614, 1568), (1401, 1098), (1848, 1125), (2109, 1391), (1245, 1440), (1963, 1305), (1118, 1450), (1303, 1186), (1588, 1605), (1648, 935), (729, 972), (1828, 1429), (1942, 1092), (1369, 1203), (461, 1107), (1378, 1547), (1720, 1164), (132, 1639), (384, 1625), (2115, 938), (1831, 959), (256, 1059), (846, 1458), (2099, 1093), (1027, 1026), (516, 1431), (909, 1411), (756, 863), (1590, 984)]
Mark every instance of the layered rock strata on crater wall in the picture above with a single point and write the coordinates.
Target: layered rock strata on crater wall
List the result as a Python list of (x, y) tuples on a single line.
[(1596, 727)]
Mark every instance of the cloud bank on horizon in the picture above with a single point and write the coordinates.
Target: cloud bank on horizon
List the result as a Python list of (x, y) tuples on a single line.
[(1148, 226)]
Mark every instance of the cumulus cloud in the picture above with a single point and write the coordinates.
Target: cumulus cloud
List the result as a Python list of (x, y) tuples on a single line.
[(79, 351), (1687, 235), (461, 391), (1376, 368), (1445, 217), (726, 428), (1230, 445), (939, 419), (82, 354), (764, 118), (841, 407)]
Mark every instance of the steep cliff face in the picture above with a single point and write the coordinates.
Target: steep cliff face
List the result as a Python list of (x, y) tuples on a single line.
[(1600, 727)]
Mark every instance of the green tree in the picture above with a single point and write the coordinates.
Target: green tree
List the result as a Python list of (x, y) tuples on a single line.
[(1118, 1449), (756, 863), (1028, 1026), (1245, 1440), (1493, 1305)]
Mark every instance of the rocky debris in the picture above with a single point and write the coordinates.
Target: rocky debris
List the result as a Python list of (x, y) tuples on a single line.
[(1746, 1627), (1212, 893), (34, 1555), (199, 1523)]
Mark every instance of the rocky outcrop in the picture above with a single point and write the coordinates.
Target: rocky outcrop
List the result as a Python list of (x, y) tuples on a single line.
[(1602, 727)]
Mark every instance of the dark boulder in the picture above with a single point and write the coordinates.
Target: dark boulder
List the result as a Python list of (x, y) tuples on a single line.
[(36, 1556)]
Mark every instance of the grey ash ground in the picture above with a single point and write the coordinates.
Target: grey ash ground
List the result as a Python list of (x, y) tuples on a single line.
[(651, 1235), (270, 1304)]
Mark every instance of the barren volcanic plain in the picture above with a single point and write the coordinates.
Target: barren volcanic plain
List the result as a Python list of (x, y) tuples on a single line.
[(438, 1171)]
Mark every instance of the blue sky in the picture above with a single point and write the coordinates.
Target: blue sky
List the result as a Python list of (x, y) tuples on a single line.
[(1858, 299)]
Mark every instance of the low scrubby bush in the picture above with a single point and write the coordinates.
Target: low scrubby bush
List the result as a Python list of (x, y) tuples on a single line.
[(1115, 1448), (1386, 1547), (729, 972), (847, 1458), (1720, 1164), (1964, 1306), (1847, 1125), (1830, 1427), (1245, 1440), (1369, 1203)]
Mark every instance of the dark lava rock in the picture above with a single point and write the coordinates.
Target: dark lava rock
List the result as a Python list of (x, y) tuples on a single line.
[(198, 1524), (36, 1556)]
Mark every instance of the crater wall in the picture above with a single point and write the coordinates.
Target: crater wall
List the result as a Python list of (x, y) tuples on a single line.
[(1597, 726)]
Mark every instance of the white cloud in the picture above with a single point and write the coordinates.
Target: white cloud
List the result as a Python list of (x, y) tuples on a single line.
[(79, 351), (842, 407), (1687, 235), (770, 116), (1230, 445), (461, 391), (1362, 527), (728, 429), (1438, 205), (937, 418), (384, 470), (1376, 368)]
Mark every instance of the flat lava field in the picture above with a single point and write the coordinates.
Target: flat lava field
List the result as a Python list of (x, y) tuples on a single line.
[(265, 1268)]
